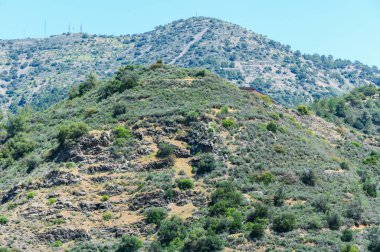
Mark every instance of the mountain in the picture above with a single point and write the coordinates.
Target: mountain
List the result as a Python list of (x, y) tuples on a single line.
[(41, 71), (177, 159)]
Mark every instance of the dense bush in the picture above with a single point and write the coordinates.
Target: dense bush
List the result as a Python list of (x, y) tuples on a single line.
[(260, 211), (308, 177), (257, 230), (334, 221), (155, 215), (129, 244), (374, 238), (272, 127), (228, 123), (119, 108), (3, 220), (206, 164), (203, 242), (185, 183), (72, 131), (171, 229), (284, 223), (165, 150), (347, 235)]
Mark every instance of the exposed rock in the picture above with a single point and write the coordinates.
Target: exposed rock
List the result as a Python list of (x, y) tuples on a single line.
[(56, 178), (64, 235), (11, 194), (103, 168), (159, 164), (92, 206)]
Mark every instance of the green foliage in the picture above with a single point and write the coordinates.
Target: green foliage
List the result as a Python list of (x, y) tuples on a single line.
[(191, 116), (334, 221), (155, 215), (203, 242), (171, 229), (17, 123), (315, 223), (119, 108), (122, 133), (31, 195), (370, 188), (164, 150), (350, 248), (107, 216), (105, 198), (18, 146), (260, 212), (303, 110), (272, 127), (185, 184), (3, 220), (347, 235), (129, 244), (57, 244), (206, 164), (228, 123), (308, 177), (51, 201), (284, 223), (374, 238), (257, 231), (71, 131), (279, 197), (90, 83)]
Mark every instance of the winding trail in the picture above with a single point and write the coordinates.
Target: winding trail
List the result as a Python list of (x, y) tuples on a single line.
[(186, 48)]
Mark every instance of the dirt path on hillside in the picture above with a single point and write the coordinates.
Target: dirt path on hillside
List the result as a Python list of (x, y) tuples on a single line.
[(186, 48)]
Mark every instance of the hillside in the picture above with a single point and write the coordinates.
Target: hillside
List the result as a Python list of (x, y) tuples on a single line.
[(359, 109), (40, 71), (182, 160)]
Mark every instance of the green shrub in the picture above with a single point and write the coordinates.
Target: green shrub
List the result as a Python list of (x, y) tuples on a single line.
[(129, 244), (18, 146), (347, 235), (203, 243), (350, 248), (3, 220), (206, 164), (374, 239), (164, 150), (315, 222), (334, 221), (321, 204), (191, 116), (119, 109), (122, 132), (308, 177), (370, 188), (51, 201), (344, 166), (57, 244), (228, 123), (31, 195), (257, 231), (72, 131), (107, 216), (155, 215), (302, 109), (185, 183), (284, 223), (272, 127), (171, 229), (105, 198), (279, 197), (260, 211)]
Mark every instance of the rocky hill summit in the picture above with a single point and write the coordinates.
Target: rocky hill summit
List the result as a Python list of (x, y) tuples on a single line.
[(159, 158), (41, 71)]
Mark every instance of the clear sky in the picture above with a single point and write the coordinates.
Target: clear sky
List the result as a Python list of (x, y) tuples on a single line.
[(347, 29)]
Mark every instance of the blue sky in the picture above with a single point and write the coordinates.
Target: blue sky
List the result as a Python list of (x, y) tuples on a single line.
[(343, 28)]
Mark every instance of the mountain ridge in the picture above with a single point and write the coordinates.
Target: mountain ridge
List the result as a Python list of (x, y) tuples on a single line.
[(41, 71)]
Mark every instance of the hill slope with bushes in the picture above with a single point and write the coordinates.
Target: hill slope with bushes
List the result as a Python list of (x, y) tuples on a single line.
[(41, 71), (179, 159)]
